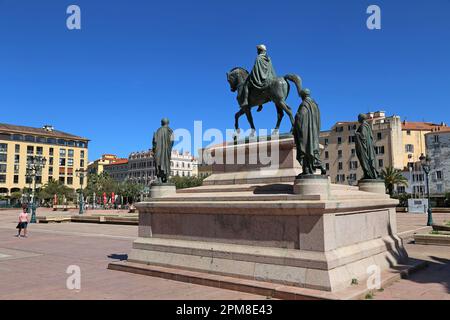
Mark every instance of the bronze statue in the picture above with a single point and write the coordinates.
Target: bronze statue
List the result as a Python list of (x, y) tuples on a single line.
[(306, 135), (365, 149), (162, 150), (261, 87)]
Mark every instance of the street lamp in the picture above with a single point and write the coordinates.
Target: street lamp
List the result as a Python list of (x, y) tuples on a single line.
[(426, 166), (81, 173), (34, 170)]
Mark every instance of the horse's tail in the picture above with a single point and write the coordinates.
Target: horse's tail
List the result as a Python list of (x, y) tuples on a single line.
[(295, 79)]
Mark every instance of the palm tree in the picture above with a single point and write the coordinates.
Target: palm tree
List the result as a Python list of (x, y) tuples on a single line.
[(393, 177)]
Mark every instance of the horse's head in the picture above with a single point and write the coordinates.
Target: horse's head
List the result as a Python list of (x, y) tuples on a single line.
[(236, 77)]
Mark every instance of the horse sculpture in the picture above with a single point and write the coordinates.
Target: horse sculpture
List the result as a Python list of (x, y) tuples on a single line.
[(277, 91)]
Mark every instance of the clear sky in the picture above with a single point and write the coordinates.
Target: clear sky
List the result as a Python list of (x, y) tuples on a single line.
[(134, 62)]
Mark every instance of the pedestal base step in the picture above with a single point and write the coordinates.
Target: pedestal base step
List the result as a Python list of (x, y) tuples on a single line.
[(267, 289)]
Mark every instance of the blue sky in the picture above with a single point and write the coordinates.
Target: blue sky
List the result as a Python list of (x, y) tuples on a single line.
[(134, 62)]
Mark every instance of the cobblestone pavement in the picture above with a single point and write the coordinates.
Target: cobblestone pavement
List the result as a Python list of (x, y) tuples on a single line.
[(35, 267)]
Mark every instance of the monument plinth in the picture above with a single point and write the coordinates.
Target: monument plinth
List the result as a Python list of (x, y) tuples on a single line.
[(287, 233), (372, 185)]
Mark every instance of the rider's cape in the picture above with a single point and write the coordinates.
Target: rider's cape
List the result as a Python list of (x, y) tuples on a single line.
[(262, 72)]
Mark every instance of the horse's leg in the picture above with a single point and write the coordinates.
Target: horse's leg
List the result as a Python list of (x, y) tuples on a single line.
[(288, 111), (248, 113), (236, 119), (280, 116)]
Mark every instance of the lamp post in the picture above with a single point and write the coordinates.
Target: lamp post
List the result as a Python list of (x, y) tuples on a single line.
[(34, 170), (81, 173), (426, 166)]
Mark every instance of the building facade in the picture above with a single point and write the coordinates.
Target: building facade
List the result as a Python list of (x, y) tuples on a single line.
[(118, 170), (97, 166), (65, 154), (397, 144), (140, 167), (438, 149)]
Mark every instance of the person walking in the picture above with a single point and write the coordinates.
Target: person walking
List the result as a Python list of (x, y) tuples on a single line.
[(23, 223)]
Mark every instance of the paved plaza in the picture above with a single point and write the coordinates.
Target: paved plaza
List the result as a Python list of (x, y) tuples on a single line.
[(35, 267)]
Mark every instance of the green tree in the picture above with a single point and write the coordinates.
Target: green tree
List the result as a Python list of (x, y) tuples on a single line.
[(52, 187), (393, 177), (130, 191)]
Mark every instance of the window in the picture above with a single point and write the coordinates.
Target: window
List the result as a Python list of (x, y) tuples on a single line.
[(3, 157), (70, 162), (2, 178), (62, 153), (409, 148), (82, 154), (50, 161), (40, 151), (41, 140), (339, 153), (353, 165), (69, 180), (71, 153), (408, 132), (353, 152), (70, 171), (17, 137), (62, 180), (326, 142), (62, 162), (50, 171), (339, 140), (339, 129), (16, 168), (351, 139), (340, 178), (401, 189), (436, 139), (16, 179), (379, 136), (62, 142), (30, 150), (30, 138), (340, 166), (3, 147), (439, 175), (71, 143), (51, 151), (380, 163), (16, 158), (379, 150), (327, 166), (28, 180), (439, 188), (17, 148), (327, 155), (2, 168)]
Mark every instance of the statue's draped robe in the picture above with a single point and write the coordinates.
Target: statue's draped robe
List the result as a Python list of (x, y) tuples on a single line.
[(365, 150), (306, 135), (162, 149), (262, 72)]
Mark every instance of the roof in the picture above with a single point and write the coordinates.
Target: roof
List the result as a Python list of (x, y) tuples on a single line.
[(421, 126), (439, 130), (117, 162), (10, 128)]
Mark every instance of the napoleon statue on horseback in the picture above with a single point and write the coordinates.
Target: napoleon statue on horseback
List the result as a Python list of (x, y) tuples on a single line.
[(262, 86)]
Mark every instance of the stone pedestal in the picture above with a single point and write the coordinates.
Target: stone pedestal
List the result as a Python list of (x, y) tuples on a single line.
[(161, 190), (271, 234), (312, 185), (263, 161), (372, 185)]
